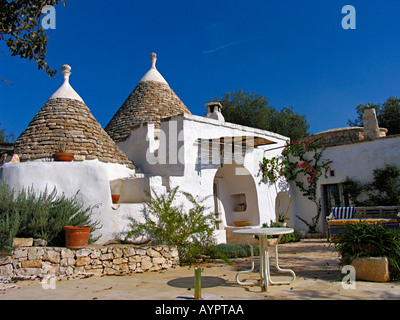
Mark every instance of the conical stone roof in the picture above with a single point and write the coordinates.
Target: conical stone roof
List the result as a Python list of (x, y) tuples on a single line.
[(65, 118), (151, 100)]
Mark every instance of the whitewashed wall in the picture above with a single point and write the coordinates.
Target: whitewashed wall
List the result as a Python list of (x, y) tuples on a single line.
[(96, 181), (357, 161), (177, 150), (91, 178)]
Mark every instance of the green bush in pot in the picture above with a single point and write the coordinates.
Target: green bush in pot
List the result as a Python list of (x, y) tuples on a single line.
[(363, 240)]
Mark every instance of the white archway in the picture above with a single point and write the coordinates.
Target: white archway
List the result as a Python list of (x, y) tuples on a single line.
[(235, 195)]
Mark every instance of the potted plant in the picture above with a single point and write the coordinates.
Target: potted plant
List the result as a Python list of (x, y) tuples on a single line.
[(77, 237), (361, 241), (62, 153)]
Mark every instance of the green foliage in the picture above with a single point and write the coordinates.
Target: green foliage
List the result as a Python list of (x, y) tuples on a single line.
[(249, 109), (233, 250), (363, 240), (388, 115), (9, 217), (386, 186), (302, 163), (242, 250), (166, 223), (384, 190), (39, 215), (286, 238), (6, 138), (352, 189), (20, 28)]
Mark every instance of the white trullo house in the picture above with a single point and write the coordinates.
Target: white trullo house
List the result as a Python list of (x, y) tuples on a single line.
[(152, 144)]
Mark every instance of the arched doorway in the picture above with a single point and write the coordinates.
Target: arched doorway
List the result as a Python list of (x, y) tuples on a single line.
[(235, 195)]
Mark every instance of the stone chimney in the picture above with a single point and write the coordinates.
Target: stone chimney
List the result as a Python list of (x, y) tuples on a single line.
[(371, 126), (214, 111)]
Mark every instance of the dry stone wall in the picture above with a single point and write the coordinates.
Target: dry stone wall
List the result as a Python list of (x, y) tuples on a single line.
[(342, 136), (150, 101), (25, 262)]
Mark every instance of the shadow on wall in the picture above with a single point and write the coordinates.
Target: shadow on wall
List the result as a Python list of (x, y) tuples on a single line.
[(131, 190)]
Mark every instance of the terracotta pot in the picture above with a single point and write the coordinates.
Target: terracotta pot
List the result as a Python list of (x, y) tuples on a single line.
[(63, 156), (77, 237), (115, 198)]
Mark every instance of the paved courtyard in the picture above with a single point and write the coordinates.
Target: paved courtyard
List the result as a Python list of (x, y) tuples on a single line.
[(314, 262)]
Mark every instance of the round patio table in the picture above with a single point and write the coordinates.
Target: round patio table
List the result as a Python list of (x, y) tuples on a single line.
[(265, 276)]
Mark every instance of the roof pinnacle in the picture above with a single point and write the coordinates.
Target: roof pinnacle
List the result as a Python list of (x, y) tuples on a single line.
[(153, 59), (66, 72), (66, 91), (153, 74)]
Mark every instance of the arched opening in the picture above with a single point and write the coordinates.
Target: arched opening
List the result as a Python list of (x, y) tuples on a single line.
[(235, 196)]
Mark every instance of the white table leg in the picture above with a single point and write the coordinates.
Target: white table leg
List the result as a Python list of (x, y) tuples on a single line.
[(279, 268), (247, 271), (265, 274)]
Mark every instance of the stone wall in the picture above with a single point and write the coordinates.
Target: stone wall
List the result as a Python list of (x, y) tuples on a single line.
[(27, 262), (342, 136), (150, 101)]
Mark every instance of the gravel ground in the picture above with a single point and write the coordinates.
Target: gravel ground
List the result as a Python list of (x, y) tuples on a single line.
[(313, 260)]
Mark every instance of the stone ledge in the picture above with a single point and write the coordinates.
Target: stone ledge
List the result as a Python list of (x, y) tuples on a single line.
[(92, 260)]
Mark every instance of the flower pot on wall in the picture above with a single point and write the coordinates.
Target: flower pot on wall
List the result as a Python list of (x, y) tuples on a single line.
[(115, 198), (77, 237), (63, 156)]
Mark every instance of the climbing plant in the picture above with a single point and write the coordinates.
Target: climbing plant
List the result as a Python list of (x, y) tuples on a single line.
[(301, 162)]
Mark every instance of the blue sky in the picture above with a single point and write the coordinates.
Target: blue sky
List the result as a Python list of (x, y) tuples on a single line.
[(295, 52)]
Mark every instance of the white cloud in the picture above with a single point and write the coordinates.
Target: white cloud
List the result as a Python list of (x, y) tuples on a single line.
[(224, 46)]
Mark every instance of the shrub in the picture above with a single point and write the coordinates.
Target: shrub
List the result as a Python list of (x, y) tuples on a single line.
[(384, 190), (233, 250), (289, 237), (363, 240), (43, 215), (9, 217), (191, 232)]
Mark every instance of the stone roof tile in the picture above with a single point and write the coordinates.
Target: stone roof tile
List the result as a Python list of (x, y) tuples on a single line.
[(151, 100), (65, 119)]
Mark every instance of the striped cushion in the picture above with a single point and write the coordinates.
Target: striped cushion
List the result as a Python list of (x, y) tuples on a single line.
[(343, 212)]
